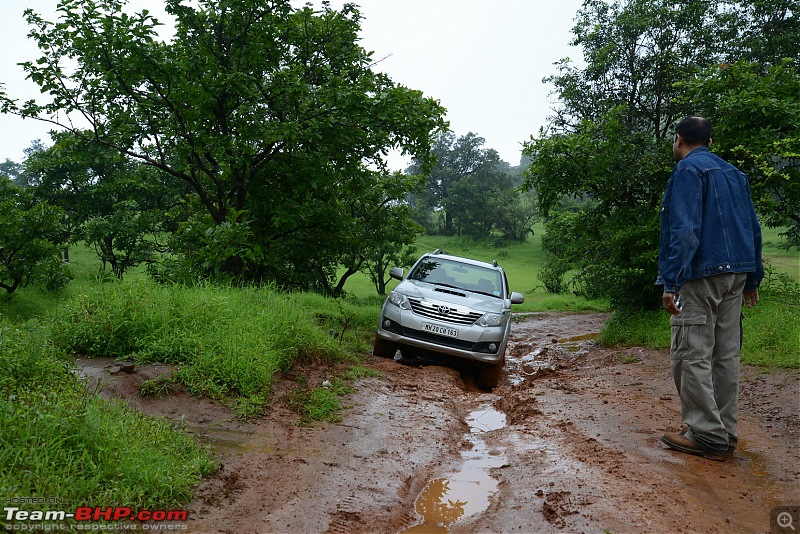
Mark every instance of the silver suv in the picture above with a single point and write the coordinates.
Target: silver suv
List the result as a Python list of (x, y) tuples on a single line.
[(451, 306)]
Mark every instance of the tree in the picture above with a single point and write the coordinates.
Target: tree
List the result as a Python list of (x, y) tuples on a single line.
[(123, 238), (113, 204), (469, 186), (635, 51), (620, 178), (760, 31), (516, 213), (250, 101), (385, 259), (30, 234), (608, 142), (755, 110), (382, 230), (11, 170)]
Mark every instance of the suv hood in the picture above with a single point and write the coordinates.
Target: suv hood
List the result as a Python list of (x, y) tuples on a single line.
[(459, 297)]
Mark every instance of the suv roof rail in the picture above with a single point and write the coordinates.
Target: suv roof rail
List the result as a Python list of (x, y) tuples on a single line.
[(439, 251), (494, 263)]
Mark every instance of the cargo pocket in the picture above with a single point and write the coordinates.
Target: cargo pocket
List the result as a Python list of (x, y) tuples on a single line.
[(686, 333)]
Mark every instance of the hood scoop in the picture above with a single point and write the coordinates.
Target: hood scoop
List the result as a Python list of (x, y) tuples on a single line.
[(450, 291)]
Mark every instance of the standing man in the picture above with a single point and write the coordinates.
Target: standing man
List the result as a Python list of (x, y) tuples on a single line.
[(709, 263)]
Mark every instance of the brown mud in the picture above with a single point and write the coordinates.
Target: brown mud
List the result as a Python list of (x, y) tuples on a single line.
[(568, 442)]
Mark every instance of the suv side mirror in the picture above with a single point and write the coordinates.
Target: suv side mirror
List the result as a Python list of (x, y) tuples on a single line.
[(517, 298), (396, 272)]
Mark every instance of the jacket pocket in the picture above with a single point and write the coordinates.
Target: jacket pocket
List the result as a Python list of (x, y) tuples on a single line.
[(686, 333)]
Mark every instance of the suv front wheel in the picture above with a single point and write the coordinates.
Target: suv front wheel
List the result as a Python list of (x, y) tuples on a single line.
[(488, 376), (383, 348)]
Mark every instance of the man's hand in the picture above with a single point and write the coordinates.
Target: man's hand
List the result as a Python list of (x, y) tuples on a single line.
[(750, 298), (668, 302)]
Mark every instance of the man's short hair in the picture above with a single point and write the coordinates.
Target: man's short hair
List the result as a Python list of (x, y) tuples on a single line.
[(695, 130)]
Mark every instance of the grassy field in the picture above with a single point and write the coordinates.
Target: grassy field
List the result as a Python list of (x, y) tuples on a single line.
[(56, 441), (776, 255)]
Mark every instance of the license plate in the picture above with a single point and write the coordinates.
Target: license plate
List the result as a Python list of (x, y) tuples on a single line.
[(440, 330)]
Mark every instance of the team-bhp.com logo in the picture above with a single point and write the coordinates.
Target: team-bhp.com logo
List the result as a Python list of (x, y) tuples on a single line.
[(87, 518)]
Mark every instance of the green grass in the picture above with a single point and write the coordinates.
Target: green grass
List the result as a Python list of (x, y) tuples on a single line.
[(771, 332), (771, 329), (57, 441), (229, 342), (323, 403), (776, 255)]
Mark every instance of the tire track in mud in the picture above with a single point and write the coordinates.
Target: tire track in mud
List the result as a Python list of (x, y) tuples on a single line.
[(583, 443), (577, 450), (580, 445)]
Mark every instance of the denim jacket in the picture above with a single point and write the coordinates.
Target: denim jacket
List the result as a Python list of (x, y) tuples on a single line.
[(708, 223)]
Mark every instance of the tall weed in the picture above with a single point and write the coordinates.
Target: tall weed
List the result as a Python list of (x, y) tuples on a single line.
[(230, 342)]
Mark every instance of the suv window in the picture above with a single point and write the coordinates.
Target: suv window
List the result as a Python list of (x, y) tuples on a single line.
[(459, 275)]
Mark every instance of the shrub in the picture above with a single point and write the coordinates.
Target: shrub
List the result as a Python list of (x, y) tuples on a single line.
[(229, 341), (552, 273)]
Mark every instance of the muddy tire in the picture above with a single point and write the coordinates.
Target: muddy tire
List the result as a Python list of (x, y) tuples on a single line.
[(383, 348), (488, 376)]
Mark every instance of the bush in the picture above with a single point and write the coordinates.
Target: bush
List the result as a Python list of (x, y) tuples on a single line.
[(230, 342), (615, 259), (30, 235), (552, 273)]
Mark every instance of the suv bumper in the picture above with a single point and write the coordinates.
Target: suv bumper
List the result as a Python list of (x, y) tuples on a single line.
[(488, 346)]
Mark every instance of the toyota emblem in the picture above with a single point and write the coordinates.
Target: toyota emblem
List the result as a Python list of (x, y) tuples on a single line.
[(444, 310)]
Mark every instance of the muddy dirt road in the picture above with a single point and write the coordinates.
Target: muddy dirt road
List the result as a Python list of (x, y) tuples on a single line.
[(568, 442)]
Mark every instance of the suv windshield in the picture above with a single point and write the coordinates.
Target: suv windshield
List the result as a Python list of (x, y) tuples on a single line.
[(459, 275)]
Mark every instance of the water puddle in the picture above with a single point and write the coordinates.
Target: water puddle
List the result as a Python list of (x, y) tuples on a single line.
[(486, 419), (225, 440), (467, 492), (577, 343)]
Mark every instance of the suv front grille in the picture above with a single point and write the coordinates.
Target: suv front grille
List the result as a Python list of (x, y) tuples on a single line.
[(444, 312)]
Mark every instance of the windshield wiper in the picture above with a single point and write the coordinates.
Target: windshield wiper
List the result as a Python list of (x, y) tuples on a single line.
[(486, 293)]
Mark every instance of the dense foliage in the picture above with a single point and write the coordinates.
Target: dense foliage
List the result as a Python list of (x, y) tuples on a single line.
[(607, 146), (756, 112), (271, 116), (112, 204), (30, 235), (470, 191)]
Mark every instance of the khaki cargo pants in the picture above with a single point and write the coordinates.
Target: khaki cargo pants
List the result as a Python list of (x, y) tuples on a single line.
[(705, 346)]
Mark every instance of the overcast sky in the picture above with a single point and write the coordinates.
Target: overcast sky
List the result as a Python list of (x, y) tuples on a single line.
[(484, 60)]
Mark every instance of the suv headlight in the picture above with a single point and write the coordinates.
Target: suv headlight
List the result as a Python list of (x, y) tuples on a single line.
[(492, 319), (399, 300)]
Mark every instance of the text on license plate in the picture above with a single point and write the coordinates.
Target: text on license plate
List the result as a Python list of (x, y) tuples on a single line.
[(441, 330)]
